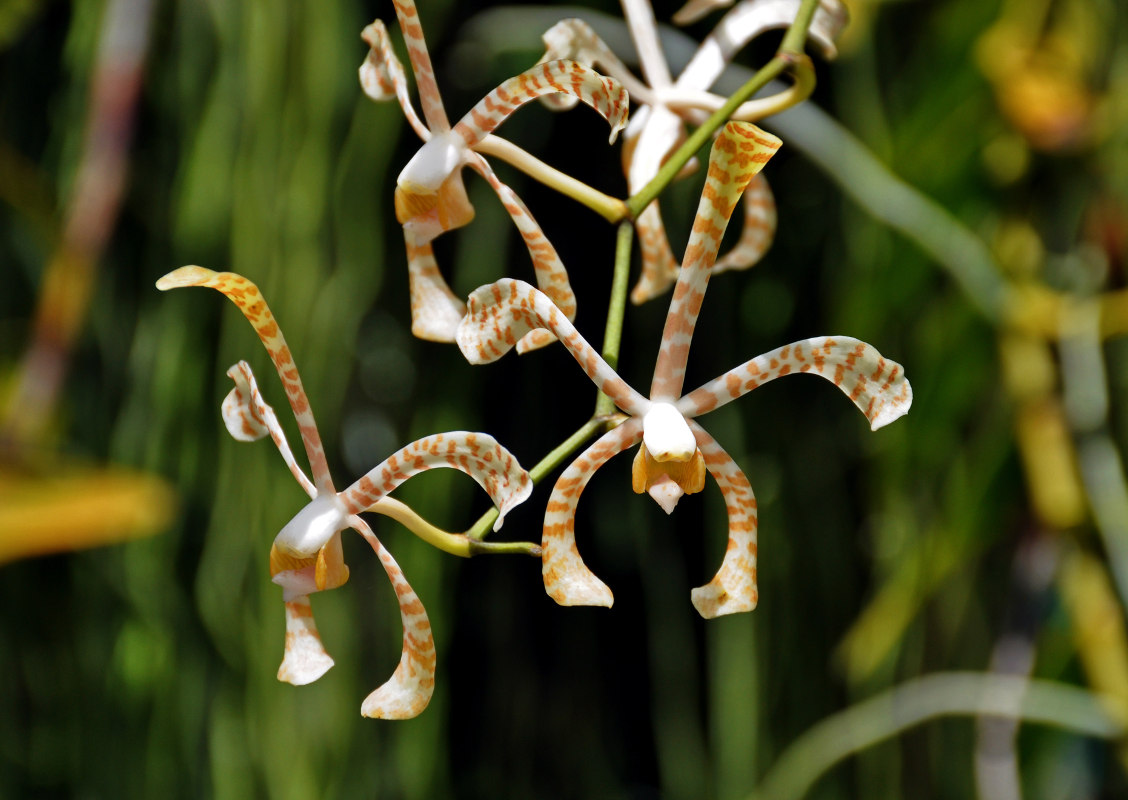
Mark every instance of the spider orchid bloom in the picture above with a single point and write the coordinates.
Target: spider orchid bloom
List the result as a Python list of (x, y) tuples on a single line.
[(306, 556), (676, 451), (657, 126), (430, 196)]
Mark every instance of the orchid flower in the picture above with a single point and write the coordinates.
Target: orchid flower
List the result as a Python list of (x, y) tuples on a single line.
[(657, 127), (430, 196), (306, 556), (676, 451)]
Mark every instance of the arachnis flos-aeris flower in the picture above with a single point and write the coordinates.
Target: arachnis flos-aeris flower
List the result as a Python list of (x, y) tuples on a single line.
[(306, 556), (676, 451)]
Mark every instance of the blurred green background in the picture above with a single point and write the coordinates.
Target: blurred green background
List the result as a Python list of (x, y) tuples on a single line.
[(986, 532)]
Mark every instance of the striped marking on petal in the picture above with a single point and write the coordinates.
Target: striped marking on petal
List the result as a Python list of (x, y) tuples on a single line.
[(574, 40), (502, 312), (382, 76), (760, 219), (409, 690), (429, 97), (247, 297), (659, 269), (876, 385), (248, 418), (605, 95), (733, 589), (435, 311), (738, 153), (477, 454), (552, 277), (305, 659), (567, 580)]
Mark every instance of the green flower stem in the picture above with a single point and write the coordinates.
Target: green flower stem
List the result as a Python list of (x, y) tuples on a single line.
[(546, 465), (789, 58), (610, 208), (456, 544), (616, 309)]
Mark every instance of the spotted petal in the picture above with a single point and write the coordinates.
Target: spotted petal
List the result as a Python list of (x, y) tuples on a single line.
[(737, 155), (409, 690), (733, 588), (759, 228), (552, 278), (429, 97), (574, 39), (246, 296), (435, 310), (502, 312), (567, 580), (476, 454), (305, 658), (382, 76), (605, 95), (874, 384), (248, 418)]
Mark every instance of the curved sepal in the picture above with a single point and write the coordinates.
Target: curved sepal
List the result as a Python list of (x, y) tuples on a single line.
[(248, 299), (605, 95), (429, 97), (875, 385), (248, 418), (567, 580), (305, 659), (552, 277), (382, 76), (574, 40), (502, 312), (435, 310), (659, 268), (477, 454), (758, 231), (733, 589), (409, 690), (737, 155)]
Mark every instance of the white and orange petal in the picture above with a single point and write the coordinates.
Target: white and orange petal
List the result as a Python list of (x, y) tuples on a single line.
[(249, 300), (407, 693), (501, 313), (305, 658), (733, 589), (875, 385), (603, 94), (429, 98), (567, 580), (739, 152), (574, 40), (248, 418), (552, 277), (435, 310), (758, 230), (382, 76), (476, 454)]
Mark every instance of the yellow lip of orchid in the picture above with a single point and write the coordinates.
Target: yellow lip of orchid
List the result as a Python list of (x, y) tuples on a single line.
[(501, 312)]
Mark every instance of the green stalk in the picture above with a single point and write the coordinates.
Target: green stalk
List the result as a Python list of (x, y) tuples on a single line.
[(543, 467), (616, 310), (789, 57)]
